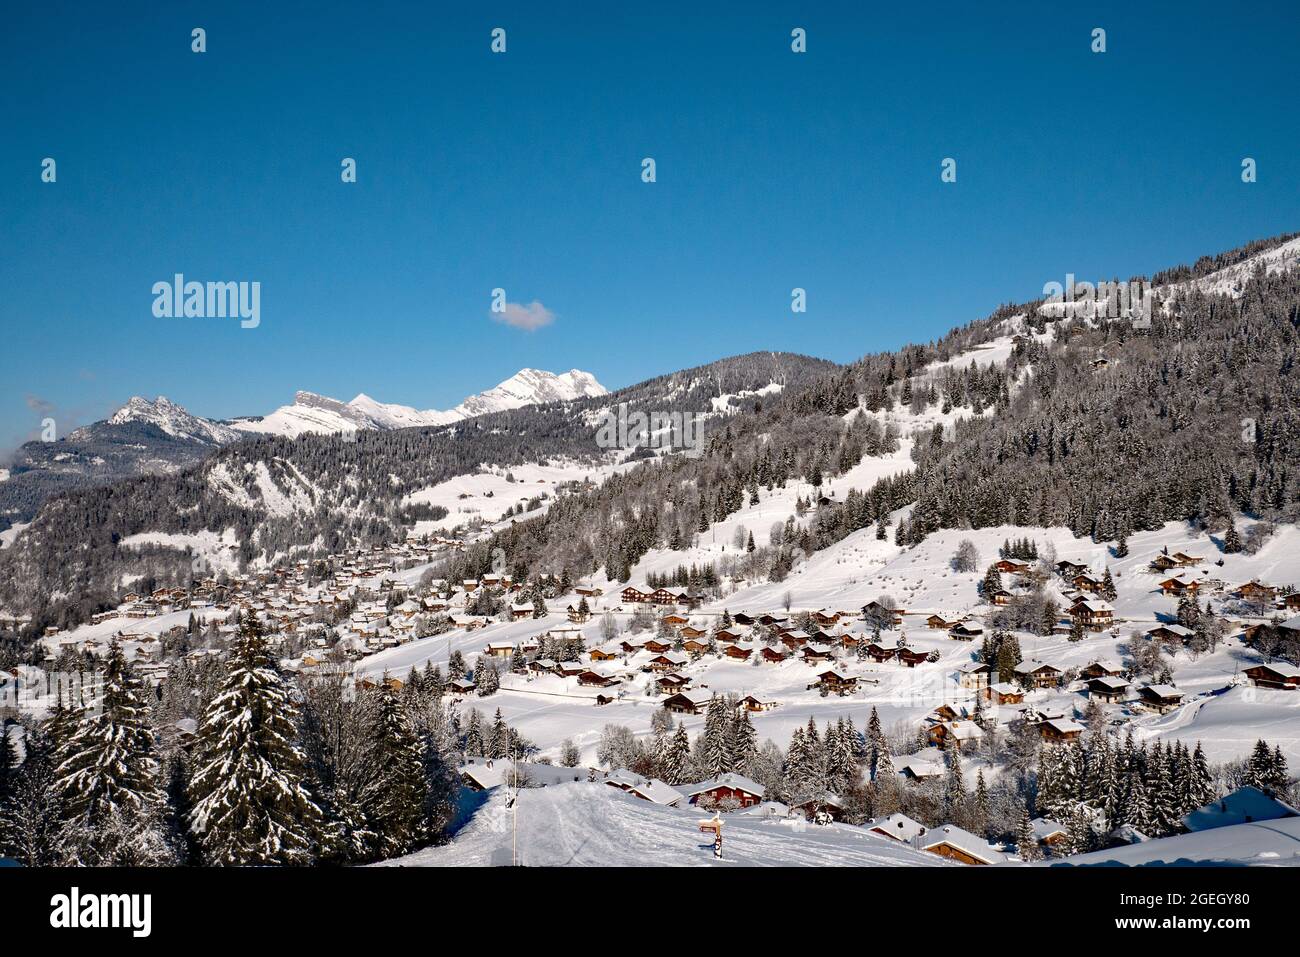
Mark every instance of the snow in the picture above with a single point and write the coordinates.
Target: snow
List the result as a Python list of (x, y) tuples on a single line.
[(596, 825), (217, 552), (173, 420), (1270, 843), (486, 494), (310, 412), (10, 534)]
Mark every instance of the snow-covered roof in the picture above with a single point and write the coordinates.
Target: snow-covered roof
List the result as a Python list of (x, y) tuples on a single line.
[(1242, 806), (1164, 691), (1032, 665), (659, 792), (1064, 725), (737, 782), (898, 826), (1281, 669), (1045, 828), (964, 840), (488, 773), (1111, 684)]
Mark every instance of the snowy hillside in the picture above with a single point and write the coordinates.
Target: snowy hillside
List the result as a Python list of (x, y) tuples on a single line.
[(594, 825)]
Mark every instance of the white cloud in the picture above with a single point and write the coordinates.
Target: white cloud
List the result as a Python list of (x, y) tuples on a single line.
[(529, 318)]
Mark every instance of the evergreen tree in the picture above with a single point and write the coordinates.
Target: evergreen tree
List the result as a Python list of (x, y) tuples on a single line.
[(1026, 844), (395, 796), (716, 744), (251, 806), (107, 777), (744, 742), (31, 817), (677, 757)]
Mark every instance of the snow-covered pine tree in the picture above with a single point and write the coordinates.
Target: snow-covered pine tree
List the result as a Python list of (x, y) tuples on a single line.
[(395, 796), (251, 806), (716, 745), (31, 817), (1108, 591), (1026, 844), (677, 756), (107, 777), (744, 742)]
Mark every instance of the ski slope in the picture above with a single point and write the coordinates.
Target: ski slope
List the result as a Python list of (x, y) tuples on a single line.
[(594, 825)]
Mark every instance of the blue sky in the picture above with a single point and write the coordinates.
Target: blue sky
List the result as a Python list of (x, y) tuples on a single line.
[(522, 171)]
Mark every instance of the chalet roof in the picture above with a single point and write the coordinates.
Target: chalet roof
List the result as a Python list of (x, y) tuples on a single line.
[(974, 668), (1107, 664), (1163, 691), (1242, 806), (656, 791), (1033, 665), (1178, 630), (1094, 605), (737, 782), (487, 773), (1110, 684), (1006, 687), (898, 826), (1280, 668), (1064, 725), (964, 840), (921, 766), (1045, 827)]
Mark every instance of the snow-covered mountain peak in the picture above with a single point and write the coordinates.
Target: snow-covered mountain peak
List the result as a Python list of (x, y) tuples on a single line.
[(532, 387), (172, 419), (311, 412)]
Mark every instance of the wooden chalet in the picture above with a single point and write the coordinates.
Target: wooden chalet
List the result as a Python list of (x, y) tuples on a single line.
[(753, 703), (594, 679), (1009, 566), (1102, 668), (882, 650), (1060, 730), (836, 682), (966, 631), (726, 788), (817, 654), (1070, 570), (1170, 634), (1179, 586), (1277, 674), (772, 654), (672, 683), (1039, 674), (738, 652), (1160, 698), (1107, 689), (942, 622), (1093, 613), (1004, 692), (1085, 582), (688, 702), (911, 657), (956, 844), (1253, 590)]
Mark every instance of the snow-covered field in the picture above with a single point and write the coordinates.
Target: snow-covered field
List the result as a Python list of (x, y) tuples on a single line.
[(594, 825)]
